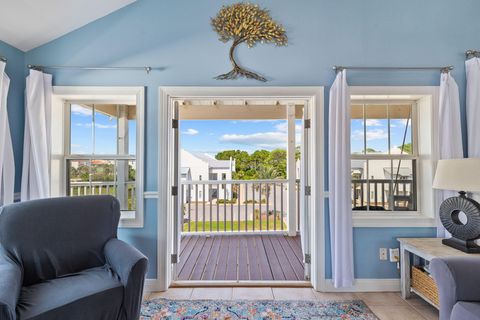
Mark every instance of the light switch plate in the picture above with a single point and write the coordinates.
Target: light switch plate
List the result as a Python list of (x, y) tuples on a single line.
[(383, 254)]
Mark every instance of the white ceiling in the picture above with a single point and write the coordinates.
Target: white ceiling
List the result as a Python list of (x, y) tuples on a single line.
[(26, 24)]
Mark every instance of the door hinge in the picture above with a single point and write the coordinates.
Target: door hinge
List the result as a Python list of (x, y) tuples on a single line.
[(175, 123), (308, 258), (174, 258), (308, 190), (174, 191), (306, 123)]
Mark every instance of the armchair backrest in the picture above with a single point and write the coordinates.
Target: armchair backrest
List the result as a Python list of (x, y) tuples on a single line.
[(53, 237)]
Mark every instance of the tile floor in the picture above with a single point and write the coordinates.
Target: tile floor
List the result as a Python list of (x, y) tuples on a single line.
[(386, 305)]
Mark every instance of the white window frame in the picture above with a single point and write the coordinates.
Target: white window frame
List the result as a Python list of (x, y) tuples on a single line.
[(61, 99), (424, 135)]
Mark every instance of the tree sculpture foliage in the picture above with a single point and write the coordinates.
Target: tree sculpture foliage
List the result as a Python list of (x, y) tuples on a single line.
[(246, 23)]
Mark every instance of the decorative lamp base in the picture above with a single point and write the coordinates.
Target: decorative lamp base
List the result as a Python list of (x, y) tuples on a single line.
[(468, 246)]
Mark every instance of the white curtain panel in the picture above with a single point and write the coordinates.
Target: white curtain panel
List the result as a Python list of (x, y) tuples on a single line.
[(36, 148), (473, 107), (7, 163), (341, 226), (449, 133)]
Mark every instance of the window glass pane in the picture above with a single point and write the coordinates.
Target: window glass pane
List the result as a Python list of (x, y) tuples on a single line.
[(81, 133), (403, 185), (379, 184), (125, 184), (78, 178), (400, 129), (357, 130), (359, 184), (103, 177), (376, 123), (105, 118)]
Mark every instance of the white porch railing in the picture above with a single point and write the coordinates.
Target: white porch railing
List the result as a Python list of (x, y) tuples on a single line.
[(106, 187), (237, 205)]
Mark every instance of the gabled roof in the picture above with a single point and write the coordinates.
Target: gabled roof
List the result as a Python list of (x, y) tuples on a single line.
[(212, 162)]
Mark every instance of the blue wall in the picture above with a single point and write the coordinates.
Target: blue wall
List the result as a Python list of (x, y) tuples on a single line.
[(177, 35), (15, 69)]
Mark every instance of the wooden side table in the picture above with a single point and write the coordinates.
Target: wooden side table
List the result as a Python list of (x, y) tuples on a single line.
[(425, 248)]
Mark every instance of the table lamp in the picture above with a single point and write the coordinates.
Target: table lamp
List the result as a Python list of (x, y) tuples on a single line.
[(460, 215)]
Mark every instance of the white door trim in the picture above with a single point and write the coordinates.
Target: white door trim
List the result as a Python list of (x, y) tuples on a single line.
[(315, 98)]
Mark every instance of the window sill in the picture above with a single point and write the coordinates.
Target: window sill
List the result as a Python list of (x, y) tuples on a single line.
[(392, 220), (130, 219)]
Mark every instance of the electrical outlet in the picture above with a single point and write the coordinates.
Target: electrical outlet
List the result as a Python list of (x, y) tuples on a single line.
[(383, 254), (394, 254)]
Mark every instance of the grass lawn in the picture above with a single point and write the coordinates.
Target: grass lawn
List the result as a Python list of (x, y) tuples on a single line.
[(222, 224)]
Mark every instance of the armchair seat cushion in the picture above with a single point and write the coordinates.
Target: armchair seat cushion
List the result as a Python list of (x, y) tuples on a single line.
[(466, 310), (95, 293)]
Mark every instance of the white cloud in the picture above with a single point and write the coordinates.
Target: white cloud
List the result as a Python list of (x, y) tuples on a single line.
[(79, 110), (97, 125), (283, 127), (376, 134), (373, 123), (190, 132), (270, 140), (400, 123)]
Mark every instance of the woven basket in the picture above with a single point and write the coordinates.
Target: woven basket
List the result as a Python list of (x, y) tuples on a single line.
[(424, 284)]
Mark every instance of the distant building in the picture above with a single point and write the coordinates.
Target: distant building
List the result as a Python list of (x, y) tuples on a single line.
[(201, 167)]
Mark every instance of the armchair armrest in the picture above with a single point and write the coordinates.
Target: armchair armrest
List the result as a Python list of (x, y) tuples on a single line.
[(131, 266), (457, 279), (10, 286)]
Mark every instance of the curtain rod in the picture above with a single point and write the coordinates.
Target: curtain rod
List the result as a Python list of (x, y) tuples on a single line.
[(442, 69), (147, 69), (472, 53)]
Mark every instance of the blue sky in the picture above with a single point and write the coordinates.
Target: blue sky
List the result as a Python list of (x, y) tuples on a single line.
[(82, 141), (212, 136)]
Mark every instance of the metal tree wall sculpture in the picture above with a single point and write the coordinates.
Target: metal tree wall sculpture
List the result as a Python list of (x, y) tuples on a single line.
[(246, 23)]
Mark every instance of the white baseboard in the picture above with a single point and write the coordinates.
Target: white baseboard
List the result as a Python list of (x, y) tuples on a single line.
[(151, 285), (366, 285)]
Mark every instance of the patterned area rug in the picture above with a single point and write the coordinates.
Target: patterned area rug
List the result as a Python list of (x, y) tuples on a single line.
[(266, 309)]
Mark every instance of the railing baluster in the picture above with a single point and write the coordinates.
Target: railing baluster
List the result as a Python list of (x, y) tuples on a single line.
[(218, 210), (281, 206), (224, 208), (238, 205), (196, 207), (275, 207), (260, 205), (210, 199), (253, 207), (246, 210), (189, 207), (267, 189), (203, 212), (297, 185), (231, 205)]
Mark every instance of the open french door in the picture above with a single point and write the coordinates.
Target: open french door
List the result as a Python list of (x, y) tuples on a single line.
[(177, 191), (305, 190)]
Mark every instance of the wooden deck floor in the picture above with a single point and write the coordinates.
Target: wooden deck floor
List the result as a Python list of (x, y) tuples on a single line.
[(241, 257)]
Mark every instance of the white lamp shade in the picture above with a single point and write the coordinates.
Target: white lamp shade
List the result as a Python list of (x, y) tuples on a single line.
[(458, 175)]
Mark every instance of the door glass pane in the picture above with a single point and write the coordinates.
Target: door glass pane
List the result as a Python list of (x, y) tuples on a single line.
[(376, 123), (81, 132), (105, 118), (400, 129)]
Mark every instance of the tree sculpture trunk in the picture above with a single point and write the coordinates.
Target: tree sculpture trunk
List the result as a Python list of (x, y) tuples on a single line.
[(238, 71)]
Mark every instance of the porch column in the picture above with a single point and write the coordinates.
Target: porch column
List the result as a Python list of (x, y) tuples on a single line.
[(122, 165), (291, 172)]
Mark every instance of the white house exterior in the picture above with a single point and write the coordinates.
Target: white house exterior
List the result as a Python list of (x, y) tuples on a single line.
[(201, 167)]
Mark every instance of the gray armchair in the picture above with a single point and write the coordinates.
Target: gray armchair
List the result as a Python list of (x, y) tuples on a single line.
[(458, 282), (60, 259)]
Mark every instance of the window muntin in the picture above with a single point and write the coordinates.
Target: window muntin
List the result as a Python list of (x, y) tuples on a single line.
[(101, 152), (384, 157)]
